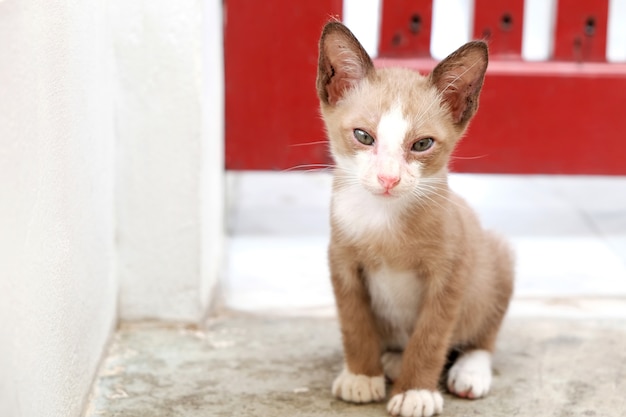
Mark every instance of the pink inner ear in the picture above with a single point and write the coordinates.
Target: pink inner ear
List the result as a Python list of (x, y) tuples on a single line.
[(346, 69), (448, 85), (455, 92), (338, 85), (460, 88), (346, 63)]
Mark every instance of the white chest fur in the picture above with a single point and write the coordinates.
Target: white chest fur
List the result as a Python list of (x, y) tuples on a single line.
[(395, 299), (359, 212)]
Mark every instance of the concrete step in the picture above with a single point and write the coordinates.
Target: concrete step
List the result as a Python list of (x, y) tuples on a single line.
[(277, 366)]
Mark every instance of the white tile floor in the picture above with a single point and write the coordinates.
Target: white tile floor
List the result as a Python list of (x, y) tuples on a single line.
[(569, 234)]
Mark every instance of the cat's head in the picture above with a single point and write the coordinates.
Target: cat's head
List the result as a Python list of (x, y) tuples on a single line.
[(392, 129)]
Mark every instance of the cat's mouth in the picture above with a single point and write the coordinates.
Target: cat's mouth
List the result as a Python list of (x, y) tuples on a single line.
[(387, 193)]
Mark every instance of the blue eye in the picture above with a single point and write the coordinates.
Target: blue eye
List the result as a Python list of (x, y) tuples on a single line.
[(423, 145), (363, 137)]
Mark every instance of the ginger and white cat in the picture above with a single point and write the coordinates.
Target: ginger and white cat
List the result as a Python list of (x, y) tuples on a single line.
[(414, 274)]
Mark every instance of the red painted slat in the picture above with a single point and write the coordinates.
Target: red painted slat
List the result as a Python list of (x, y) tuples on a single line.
[(500, 22), (270, 68), (405, 28), (581, 30), (544, 118)]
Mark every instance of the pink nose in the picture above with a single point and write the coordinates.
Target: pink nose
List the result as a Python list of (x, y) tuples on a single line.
[(388, 181)]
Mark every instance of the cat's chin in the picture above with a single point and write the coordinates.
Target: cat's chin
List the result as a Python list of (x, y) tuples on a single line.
[(387, 195), (392, 194), (382, 194)]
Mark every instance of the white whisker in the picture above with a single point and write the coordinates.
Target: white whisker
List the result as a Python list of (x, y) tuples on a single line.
[(317, 142), (469, 157), (309, 167)]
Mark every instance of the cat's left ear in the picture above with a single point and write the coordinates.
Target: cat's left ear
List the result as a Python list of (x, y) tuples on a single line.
[(342, 63), (459, 79)]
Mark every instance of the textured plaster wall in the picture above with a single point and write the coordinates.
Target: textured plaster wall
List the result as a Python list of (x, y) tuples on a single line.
[(57, 285), (111, 169), (168, 177)]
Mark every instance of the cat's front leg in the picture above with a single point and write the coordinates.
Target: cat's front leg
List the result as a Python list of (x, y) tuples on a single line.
[(362, 378), (415, 392), (357, 388), (416, 403)]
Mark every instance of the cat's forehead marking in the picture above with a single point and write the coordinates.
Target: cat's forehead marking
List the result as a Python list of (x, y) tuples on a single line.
[(392, 129)]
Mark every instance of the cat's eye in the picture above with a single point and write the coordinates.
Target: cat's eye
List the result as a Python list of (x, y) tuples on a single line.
[(363, 137), (423, 145)]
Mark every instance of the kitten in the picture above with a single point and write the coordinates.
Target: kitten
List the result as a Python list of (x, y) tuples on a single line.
[(413, 273)]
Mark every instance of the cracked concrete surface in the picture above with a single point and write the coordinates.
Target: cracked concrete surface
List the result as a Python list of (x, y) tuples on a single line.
[(278, 366)]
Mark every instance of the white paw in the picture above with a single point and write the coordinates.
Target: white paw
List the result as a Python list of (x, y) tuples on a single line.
[(470, 377), (392, 364), (359, 388), (416, 403)]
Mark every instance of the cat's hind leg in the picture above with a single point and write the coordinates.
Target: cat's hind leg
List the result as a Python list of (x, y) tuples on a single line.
[(470, 376), (392, 364)]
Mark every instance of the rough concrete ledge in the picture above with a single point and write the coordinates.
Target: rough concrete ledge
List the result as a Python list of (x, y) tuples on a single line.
[(251, 366)]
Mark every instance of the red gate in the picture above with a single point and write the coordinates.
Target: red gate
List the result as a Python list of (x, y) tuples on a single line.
[(563, 116)]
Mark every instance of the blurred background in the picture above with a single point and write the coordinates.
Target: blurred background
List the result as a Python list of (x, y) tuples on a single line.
[(165, 161)]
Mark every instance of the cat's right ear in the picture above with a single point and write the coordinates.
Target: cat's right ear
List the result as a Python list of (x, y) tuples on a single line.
[(342, 63)]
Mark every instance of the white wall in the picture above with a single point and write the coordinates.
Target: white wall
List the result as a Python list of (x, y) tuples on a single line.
[(57, 287), (111, 169), (170, 159), (212, 178)]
